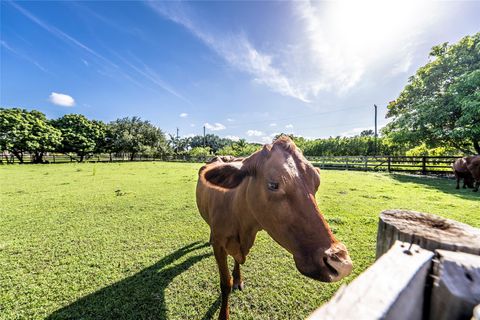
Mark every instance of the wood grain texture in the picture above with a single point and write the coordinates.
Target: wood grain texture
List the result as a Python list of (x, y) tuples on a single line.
[(429, 231), (456, 285)]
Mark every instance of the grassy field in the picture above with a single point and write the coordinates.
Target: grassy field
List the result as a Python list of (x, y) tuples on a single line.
[(125, 241)]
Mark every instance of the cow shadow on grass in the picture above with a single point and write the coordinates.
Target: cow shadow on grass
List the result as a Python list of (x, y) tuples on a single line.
[(141, 296), (442, 184)]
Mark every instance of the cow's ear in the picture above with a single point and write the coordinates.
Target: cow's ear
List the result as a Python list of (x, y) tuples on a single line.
[(226, 175)]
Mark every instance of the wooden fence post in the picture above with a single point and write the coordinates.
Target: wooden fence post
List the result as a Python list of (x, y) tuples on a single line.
[(456, 280), (424, 165), (429, 231), (389, 164)]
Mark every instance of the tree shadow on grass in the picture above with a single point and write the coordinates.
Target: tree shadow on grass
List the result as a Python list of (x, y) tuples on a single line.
[(141, 296), (442, 184)]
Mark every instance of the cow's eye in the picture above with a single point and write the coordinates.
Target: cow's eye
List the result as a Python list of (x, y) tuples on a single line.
[(273, 186)]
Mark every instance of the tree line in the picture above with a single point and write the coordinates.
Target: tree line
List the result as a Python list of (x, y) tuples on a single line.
[(25, 132)]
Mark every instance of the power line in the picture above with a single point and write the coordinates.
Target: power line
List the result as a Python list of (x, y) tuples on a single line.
[(238, 124)]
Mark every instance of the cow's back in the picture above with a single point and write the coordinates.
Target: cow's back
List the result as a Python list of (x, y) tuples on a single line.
[(460, 166)]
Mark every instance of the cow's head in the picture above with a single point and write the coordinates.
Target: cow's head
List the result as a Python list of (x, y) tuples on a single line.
[(473, 165), (280, 186)]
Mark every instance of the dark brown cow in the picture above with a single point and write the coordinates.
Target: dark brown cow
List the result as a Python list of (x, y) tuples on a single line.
[(274, 190), (473, 165), (461, 172)]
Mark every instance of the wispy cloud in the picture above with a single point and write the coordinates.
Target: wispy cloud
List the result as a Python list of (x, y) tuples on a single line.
[(145, 72), (61, 99), (151, 75), (215, 127), (60, 34), (254, 133), (339, 45), (236, 49), (23, 56), (183, 115), (289, 126)]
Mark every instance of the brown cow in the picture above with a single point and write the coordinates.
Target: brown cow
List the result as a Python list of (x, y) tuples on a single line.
[(473, 165), (273, 190), (461, 172)]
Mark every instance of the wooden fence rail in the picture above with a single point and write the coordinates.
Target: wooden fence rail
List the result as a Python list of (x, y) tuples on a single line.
[(423, 165)]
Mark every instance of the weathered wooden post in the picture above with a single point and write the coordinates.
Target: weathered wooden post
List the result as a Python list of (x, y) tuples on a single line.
[(429, 231), (424, 165), (456, 285)]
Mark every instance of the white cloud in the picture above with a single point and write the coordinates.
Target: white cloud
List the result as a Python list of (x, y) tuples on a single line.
[(236, 49), (215, 127), (192, 125), (289, 126), (234, 138), (230, 120), (183, 115), (190, 135), (254, 133), (266, 139), (273, 124), (61, 99)]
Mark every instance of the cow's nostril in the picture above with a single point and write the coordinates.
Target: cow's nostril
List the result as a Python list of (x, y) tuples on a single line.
[(332, 270)]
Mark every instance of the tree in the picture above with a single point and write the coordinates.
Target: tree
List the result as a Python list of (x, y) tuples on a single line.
[(441, 103), (200, 152), (27, 131), (79, 135), (367, 133), (135, 136), (177, 144), (211, 140), (240, 148)]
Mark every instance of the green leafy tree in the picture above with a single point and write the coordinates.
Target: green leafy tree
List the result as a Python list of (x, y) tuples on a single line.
[(240, 148), (24, 131), (212, 141), (135, 136), (200, 152), (441, 103), (79, 135)]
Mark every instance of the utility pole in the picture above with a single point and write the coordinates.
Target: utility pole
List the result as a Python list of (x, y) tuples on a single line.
[(376, 135), (204, 138), (176, 143)]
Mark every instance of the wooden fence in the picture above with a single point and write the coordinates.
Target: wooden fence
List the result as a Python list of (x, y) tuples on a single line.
[(427, 268), (423, 165), (104, 157)]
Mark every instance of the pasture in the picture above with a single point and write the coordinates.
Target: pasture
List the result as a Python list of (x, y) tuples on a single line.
[(125, 241)]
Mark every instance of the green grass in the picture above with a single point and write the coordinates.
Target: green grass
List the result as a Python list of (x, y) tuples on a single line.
[(125, 241)]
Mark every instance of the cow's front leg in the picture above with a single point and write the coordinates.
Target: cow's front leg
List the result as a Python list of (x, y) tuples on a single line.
[(237, 277), (225, 280)]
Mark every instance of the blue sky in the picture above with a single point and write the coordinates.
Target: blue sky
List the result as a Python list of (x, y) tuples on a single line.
[(243, 69)]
